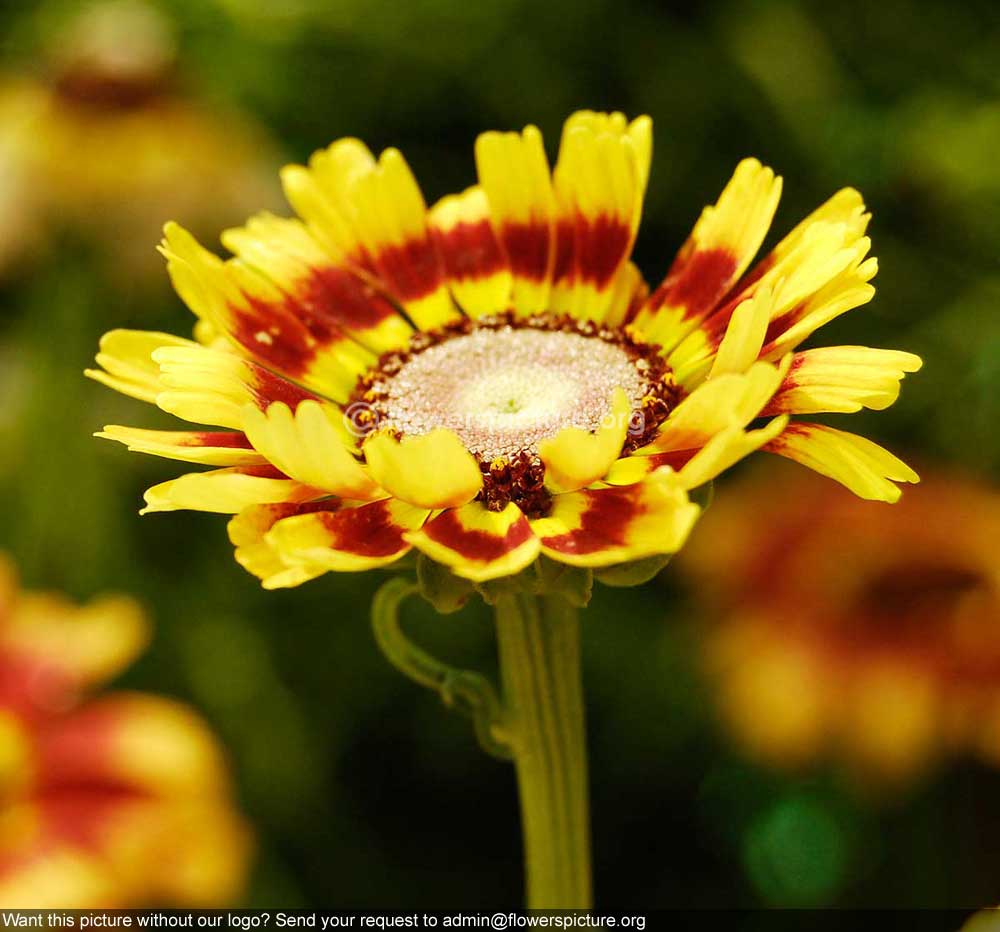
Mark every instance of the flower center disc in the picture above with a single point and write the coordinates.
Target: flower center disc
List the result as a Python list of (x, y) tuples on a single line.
[(503, 391), (503, 384)]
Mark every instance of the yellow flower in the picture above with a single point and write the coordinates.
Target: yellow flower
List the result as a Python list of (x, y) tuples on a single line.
[(868, 634), (106, 142), (490, 379), (110, 801)]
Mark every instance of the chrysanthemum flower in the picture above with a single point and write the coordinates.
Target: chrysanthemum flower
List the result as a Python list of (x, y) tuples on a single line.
[(869, 635), (107, 142), (107, 801), (491, 379)]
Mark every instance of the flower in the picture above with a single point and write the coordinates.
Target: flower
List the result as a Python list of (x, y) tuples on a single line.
[(107, 801), (490, 379), (872, 634), (106, 143)]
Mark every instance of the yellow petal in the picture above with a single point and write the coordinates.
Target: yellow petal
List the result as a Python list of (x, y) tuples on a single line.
[(575, 458), (432, 470), (843, 379), (309, 446), (729, 400), (226, 491), (725, 449), (745, 334), (223, 448), (258, 556), (864, 467), (126, 361)]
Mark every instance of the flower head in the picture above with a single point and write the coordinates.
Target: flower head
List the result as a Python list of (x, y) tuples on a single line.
[(872, 634), (491, 379), (108, 801)]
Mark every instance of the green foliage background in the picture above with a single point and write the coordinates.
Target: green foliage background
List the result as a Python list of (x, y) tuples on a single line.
[(364, 791)]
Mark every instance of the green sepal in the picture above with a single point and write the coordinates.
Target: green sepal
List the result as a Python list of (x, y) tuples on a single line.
[(573, 583), (495, 589), (703, 495), (407, 563), (633, 573), (441, 587)]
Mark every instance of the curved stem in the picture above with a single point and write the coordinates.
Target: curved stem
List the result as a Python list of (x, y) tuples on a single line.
[(539, 640), (464, 690)]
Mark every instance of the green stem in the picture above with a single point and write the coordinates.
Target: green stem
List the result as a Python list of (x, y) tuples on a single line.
[(539, 640), (468, 692)]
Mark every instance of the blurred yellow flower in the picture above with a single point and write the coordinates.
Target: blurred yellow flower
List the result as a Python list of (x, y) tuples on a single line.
[(986, 920), (108, 801), (106, 142), (868, 633), (491, 379)]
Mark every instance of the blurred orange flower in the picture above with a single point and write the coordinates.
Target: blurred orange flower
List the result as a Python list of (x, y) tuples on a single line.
[(847, 627), (106, 802), (106, 142)]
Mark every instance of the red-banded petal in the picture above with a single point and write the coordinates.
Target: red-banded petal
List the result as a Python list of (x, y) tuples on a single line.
[(226, 491), (318, 282), (432, 470), (373, 214), (51, 648), (729, 400), (209, 448), (599, 182), (846, 207), (629, 292), (601, 527), (207, 386), (695, 467), (846, 291), (261, 319), (705, 352), (136, 742), (126, 361), (514, 174), (821, 275), (255, 553), (575, 458), (476, 543), (141, 782), (864, 467), (721, 246), (391, 220), (310, 446), (322, 195), (842, 379), (123, 851), (348, 540), (477, 269)]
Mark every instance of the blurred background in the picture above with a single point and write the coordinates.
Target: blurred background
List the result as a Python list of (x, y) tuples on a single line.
[(364, 792)]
